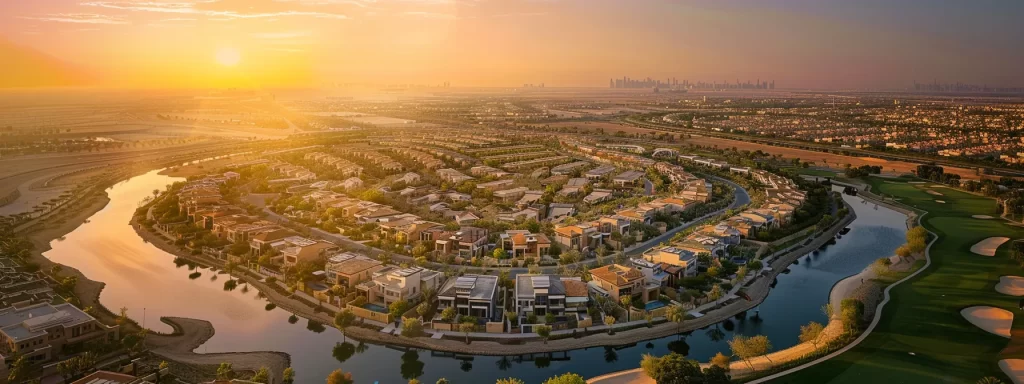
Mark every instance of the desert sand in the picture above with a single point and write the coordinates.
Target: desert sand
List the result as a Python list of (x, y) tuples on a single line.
[(1011, 285), (1014, 368), (990, 319), (988, 246)]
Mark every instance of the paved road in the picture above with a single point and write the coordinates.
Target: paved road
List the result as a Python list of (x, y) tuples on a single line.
[(741, 199)]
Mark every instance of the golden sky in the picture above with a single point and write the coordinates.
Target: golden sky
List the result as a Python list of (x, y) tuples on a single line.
[(272, 43)]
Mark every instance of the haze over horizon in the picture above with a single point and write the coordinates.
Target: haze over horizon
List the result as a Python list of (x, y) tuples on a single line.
[(295, 43)]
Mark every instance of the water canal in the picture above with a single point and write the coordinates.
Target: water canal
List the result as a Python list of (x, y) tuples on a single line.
[(145, 280)]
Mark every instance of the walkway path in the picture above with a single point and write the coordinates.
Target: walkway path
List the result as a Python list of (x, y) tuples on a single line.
[(874, 321)]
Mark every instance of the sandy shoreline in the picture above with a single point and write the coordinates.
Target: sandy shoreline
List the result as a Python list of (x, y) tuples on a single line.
[(189, 334)]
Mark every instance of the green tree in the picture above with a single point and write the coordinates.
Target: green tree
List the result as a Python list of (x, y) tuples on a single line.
[(224, 372), (715, 293), (339, 377), (288, 376), (672, 368), (18, 370), (568, 378), (423, 309), (499, 253), (510, 380), (809, 333), (851, 312), (720, 360), (261, 376), (569, 257), (412, 327), (398, 308), (449, 314), (442, 381), (343, 320), (716, 375), (676, 314), (466, 328), (543, 331), (610, 321)]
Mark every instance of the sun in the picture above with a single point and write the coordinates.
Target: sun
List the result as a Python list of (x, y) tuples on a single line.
[(228, 57)]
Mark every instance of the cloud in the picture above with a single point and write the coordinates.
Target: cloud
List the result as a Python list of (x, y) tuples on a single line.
[(358, 3), (431, 15), (281, 35), (78, 18), (292, 50), (519, 14), (189, 8)]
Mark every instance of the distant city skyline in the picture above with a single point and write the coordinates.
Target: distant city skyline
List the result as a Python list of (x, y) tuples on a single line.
[(871, 44)]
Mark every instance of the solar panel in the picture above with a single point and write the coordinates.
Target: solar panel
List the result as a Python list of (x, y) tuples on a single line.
[(540, 281)]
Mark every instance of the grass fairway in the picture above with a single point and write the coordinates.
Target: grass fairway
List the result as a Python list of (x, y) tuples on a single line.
[(923, 315), (814, 172)]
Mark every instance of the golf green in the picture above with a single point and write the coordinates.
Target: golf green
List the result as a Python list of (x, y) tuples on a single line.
[(921, 336)]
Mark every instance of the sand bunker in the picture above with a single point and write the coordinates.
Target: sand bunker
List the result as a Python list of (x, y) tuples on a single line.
[(1013, 368), (988, 246), (940, 201), (1011, 285), (983, 217), (915, 182), (936, 193), (990, 319)]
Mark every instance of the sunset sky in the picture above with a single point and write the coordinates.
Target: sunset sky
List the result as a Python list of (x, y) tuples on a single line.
[(274, 43)]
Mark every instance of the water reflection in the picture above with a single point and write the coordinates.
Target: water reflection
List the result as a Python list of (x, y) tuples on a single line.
[(139, 276)]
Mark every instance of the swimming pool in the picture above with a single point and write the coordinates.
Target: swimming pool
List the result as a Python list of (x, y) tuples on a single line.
[(650, 306), (375, 308)]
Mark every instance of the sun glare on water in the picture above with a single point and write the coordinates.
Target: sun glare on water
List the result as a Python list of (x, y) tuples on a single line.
[(228, 57)]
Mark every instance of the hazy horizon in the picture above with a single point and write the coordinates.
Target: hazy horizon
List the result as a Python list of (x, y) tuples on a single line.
[(478, 43)]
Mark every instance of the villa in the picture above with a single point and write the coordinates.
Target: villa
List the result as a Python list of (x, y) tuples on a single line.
[(470, 295), (467, 242), (295, 249), (539, 295), (599, 172), (523, 244), (628, 179), (41, 332), (583, 236), (615, 281), (348, 269), (263, 241), (687, 260), (391, 284)]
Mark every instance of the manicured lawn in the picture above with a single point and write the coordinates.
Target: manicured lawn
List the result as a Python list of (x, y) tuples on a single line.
[(814, 172), (923, 316)]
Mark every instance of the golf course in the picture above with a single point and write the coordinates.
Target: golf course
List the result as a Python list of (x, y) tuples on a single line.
[(922, 336)]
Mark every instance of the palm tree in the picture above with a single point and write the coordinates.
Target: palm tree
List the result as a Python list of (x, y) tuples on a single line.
[(626, 301), (466, 328), (676, 314), (343, 320)]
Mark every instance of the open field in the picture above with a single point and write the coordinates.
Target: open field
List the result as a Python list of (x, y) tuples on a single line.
[(821, 158), (922, 336)]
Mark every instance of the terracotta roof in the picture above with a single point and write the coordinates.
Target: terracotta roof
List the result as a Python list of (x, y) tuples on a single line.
[(575, 288), (617, 274), (519, 239)]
